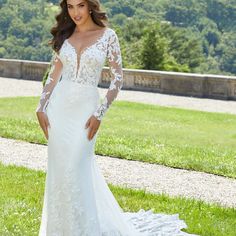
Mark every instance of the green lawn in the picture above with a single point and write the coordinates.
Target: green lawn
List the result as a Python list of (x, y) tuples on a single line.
[(180, 138), (21, 202)]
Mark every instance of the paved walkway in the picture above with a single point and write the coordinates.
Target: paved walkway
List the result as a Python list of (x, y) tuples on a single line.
[(134, 174), (14, 87)]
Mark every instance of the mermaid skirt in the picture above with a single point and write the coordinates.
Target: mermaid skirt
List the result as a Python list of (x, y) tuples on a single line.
[(77, 200)]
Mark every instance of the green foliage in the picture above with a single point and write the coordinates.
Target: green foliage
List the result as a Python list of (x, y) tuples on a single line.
[(154, 47), (190, 36), (185, 13), (24, 29), (226, 52), (223, 13), (209, 31)]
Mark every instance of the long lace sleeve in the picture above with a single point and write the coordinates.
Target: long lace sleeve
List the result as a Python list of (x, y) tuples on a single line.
[(52, 79), (115, 66)]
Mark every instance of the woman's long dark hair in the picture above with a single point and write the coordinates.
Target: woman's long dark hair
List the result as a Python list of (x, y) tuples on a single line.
[(65, 25)]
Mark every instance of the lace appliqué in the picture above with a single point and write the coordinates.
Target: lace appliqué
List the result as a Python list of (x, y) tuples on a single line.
[(54, 74), (115, 65), (92, 60), (66, 208)]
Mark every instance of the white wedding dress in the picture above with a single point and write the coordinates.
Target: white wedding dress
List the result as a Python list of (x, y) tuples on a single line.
[(77, 200)]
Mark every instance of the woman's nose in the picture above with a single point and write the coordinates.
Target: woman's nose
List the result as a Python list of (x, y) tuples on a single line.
[(76, 11)]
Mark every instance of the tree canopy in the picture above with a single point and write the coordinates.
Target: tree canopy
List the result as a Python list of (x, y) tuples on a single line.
[(173, 35)]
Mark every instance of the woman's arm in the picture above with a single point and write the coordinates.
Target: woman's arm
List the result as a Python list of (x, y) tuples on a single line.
[(115, 65), (52, 79)]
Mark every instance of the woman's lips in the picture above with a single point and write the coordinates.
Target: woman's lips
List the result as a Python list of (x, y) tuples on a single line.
[(77, 18)]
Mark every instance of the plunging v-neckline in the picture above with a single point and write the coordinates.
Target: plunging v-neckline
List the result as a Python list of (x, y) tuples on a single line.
[(79, 54)]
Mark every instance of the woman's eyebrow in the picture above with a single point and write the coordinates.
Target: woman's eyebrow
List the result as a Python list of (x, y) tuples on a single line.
[(76, 4)]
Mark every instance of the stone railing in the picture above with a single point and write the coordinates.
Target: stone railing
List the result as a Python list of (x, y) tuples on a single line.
[(188, 84)]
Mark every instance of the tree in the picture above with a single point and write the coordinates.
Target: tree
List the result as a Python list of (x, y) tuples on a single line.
[(184, 45), (185, 13), (152, 54), (223, 13), (226, 52)]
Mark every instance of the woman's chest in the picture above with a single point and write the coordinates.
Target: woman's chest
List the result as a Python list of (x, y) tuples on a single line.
[(92, 54)]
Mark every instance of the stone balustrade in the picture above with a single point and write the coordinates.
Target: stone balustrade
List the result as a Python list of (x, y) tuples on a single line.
[(187, 84)]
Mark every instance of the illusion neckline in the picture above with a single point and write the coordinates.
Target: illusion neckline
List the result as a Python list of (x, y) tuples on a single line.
[(92, 30), (95, 42), (80, 54)]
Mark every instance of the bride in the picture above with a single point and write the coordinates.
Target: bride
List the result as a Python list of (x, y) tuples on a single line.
[(77, 200)]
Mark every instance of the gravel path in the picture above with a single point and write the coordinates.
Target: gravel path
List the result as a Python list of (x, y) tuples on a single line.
[(134, 174), (152, 177), (14, 87)]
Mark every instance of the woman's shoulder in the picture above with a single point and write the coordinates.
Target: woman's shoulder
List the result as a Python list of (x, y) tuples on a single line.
[(111, 32)]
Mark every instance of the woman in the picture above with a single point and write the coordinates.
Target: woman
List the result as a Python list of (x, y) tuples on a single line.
[(77, 200)]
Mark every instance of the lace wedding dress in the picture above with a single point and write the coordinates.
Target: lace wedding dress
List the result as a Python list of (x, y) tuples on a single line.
[(77, 200)]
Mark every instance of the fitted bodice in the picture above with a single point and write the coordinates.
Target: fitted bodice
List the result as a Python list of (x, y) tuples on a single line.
[(82, 62), (85, 68)]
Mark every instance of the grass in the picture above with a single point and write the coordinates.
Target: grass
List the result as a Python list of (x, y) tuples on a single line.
[(180, 138), (21, 203)]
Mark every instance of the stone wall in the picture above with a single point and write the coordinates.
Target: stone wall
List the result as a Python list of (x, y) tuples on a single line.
[(188, 84)]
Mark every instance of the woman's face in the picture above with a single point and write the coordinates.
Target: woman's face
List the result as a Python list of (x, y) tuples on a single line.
[(78, 11)]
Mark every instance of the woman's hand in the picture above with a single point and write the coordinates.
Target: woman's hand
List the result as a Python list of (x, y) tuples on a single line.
[(93, 123), (43, 121)]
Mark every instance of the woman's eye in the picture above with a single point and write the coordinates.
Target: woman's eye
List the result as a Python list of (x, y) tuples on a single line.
[(70, 7)]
